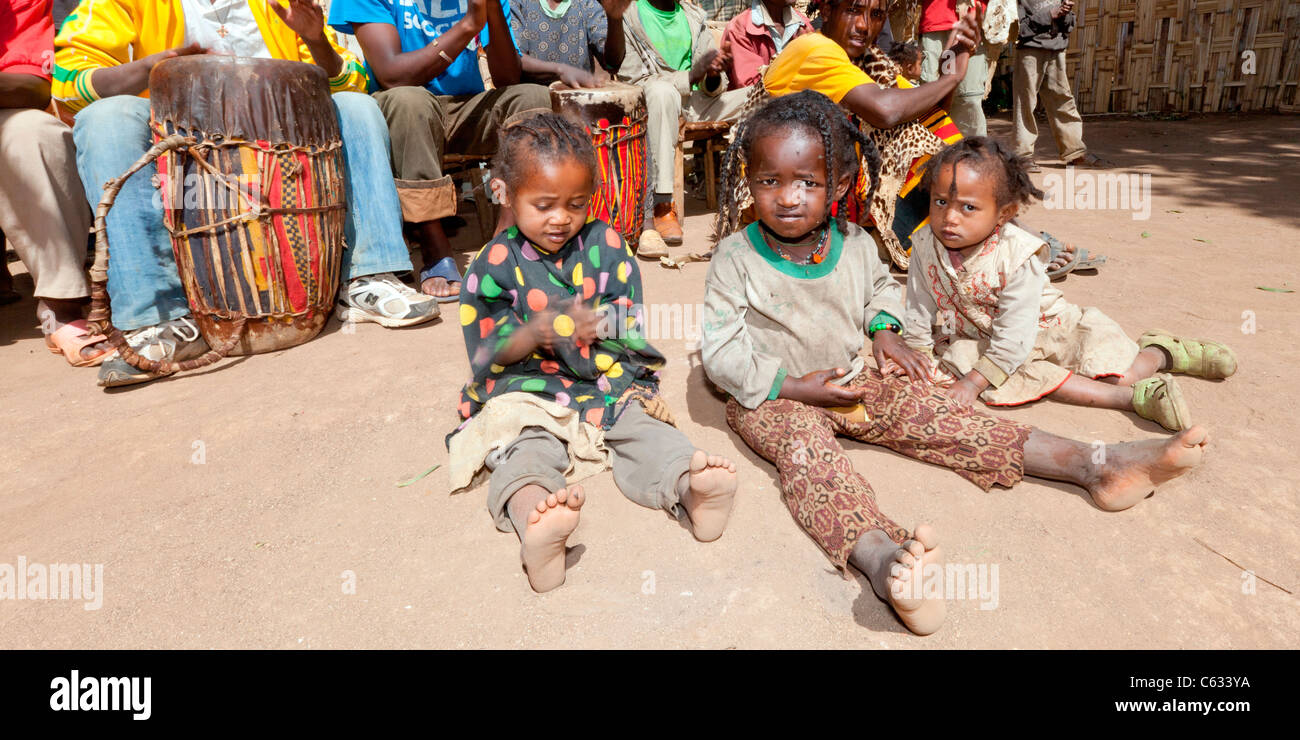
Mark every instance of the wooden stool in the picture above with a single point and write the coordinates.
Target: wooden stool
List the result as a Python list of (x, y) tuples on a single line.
[(474, 166), (708, 137)]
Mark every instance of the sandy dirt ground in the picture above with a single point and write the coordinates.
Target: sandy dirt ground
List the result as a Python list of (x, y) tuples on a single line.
[(301, 451)]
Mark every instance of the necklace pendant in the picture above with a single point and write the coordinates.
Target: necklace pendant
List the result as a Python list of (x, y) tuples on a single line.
[(222, 32)]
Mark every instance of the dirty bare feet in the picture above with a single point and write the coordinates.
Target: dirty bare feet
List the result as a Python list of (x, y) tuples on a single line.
[(898, 575), (711, 493), (542, 544), (1132, 470)]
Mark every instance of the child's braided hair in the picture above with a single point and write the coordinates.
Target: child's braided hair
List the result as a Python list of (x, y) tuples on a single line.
[(992, 158), (545, 135), (812, 111)]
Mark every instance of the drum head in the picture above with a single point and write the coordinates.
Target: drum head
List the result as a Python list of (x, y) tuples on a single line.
[(611, 103), (242, 98)]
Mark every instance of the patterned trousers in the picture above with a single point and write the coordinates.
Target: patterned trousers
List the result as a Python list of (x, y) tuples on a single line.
[(834, 503)]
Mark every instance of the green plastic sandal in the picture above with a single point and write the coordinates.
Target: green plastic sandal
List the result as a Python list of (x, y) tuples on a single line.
[(1161, 400), (1196, 357)]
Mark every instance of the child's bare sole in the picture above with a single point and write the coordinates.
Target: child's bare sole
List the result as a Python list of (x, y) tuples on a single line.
[(904, 589), (712, 492), (549, 527), (1133, 470)]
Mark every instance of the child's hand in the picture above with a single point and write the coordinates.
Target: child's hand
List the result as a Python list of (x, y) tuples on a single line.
[(964, 392), (893, 356), (542, 328), (586, 322), (815, 389)]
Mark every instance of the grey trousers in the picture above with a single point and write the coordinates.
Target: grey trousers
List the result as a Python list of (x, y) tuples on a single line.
[(651, 460)]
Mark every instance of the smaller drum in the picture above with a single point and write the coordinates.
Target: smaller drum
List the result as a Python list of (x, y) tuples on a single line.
[(615, 117)]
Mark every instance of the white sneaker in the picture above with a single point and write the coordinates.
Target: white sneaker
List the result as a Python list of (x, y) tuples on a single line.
[(386, 301), (175, 341)]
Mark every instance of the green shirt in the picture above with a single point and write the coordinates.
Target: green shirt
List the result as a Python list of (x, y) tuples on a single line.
[(669, 33)]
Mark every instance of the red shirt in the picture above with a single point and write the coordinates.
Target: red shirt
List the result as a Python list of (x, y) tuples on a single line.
[(27, 44), (940, 15), (752, 47)]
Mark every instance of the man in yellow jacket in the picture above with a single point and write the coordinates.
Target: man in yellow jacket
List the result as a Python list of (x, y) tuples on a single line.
[(103, 56)]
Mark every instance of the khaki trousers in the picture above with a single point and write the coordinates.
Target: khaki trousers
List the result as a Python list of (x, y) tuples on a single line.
[(664, 105), (43, 209), (1042, 71), (422, 126), (968, 100)]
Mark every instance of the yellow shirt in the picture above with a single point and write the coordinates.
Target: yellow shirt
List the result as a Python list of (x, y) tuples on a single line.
[(813, 62), (106, 33)]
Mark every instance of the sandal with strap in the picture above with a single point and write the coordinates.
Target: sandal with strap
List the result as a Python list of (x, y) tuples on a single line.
[(1196, 357), (1082, 262), (73, 337), (1055, 248), (1159, 399), (444, 268)]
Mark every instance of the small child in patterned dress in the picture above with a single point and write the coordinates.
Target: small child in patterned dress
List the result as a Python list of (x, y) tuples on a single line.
[(979, 301), (564, 382)]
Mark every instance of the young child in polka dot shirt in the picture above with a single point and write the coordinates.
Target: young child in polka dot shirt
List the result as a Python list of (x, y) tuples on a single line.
[(550, 311)]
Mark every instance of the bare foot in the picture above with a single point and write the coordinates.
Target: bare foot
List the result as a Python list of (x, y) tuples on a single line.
[(549, 526), (1134, 469), (438, 287), (712, 491), (898, 576), (1063, 258), (908, 582)]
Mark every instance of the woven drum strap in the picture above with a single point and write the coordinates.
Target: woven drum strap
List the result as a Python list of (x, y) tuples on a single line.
[(289, 169)]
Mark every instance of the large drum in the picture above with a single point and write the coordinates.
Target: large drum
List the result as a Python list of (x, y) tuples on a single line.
[(251, 178), (615, 116)]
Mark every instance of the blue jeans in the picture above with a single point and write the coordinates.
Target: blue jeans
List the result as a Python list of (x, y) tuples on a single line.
[(143, 283)]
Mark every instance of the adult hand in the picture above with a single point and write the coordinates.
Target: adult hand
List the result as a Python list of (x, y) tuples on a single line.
[(708, 64), (180, 51), (815, 389), (964, 392), (574, 77), (304, 17), (614, 9), (1063, 9), (893, 357), (965, 35)]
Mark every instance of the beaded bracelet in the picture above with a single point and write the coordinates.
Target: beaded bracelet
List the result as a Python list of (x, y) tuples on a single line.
[(890, 325)]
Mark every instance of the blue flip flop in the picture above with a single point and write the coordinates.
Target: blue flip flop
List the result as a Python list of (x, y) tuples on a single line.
[(444, 268)]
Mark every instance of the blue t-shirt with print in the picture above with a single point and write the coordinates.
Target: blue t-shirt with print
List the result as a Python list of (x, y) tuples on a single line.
[(418, 23)]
